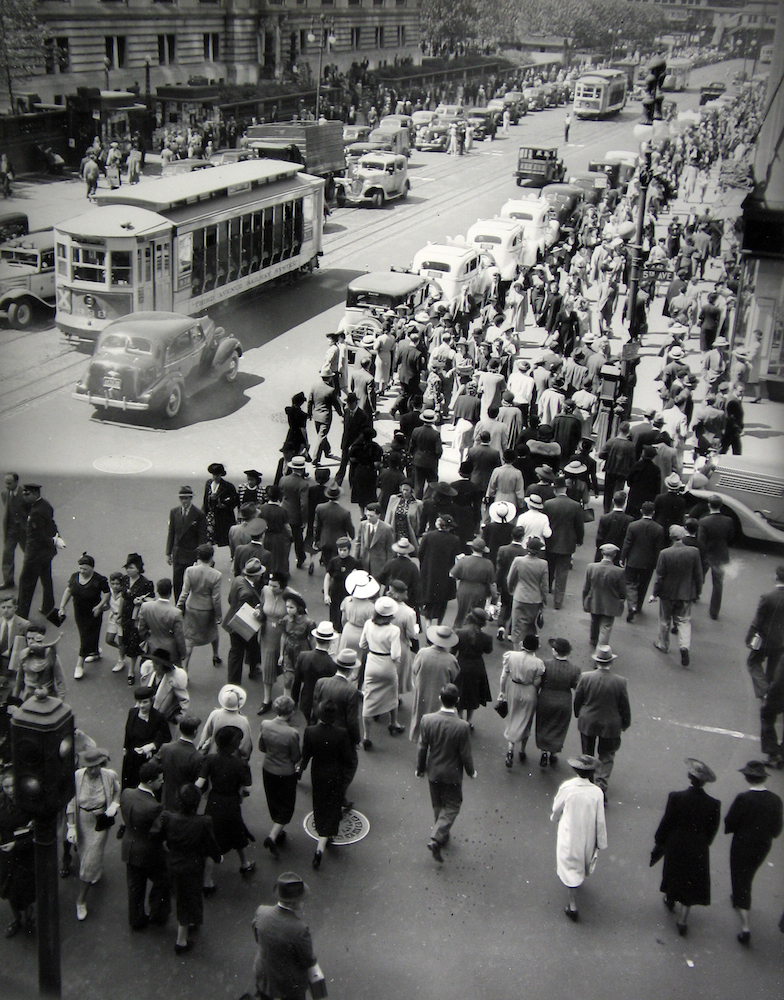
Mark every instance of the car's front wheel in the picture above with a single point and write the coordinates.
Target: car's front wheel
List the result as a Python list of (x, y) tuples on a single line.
[(174, 401), (377, 199), (234, 366), (20, 314)]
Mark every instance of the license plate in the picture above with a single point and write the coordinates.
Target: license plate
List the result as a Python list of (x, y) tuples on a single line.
[(85, 311), (112, 383)]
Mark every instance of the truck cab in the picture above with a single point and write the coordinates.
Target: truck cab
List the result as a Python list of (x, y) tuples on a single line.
[(27, 279), (537, 166)]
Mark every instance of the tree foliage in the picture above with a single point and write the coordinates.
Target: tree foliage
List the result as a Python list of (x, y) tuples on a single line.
[(23, 43), (593, 24), (448, 23)]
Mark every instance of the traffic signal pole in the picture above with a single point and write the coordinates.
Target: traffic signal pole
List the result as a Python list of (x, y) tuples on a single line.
[(634, 279), (47, 904)]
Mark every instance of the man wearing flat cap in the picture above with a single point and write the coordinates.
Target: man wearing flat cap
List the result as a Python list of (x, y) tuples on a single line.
[(187, 531), (604, 593), (286, 966), (677, 584)]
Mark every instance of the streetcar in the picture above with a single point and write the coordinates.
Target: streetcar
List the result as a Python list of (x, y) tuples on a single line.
[(678, 74), (600, 93), (184, 244)]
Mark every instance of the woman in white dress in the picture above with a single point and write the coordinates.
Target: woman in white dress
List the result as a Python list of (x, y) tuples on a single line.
[(357, 608), (582, 832), (381, 641), (521, 678), (406, 620)]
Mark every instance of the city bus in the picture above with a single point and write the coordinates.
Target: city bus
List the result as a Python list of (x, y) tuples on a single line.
[(600, 93), (678, 74), (183, 244)]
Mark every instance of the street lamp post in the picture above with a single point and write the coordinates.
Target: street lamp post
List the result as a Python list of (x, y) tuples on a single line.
[(636, 247), (326, 37)]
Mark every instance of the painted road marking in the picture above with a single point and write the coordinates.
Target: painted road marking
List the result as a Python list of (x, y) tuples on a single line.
[(708, 729)]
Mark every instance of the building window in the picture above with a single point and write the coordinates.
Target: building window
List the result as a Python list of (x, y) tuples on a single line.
[(166, 50), (354, 3), (378, 3), (400, 3), (211, 46), (303, 40), (327, 3), (401, 34), (356, 35), (379, 36), (115, 50), (56, 55)]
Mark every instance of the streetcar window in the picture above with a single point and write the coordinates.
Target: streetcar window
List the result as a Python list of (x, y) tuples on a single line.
[(256, 241), (222, 231), (210, 257), (235, 247), (298, 226), (277, 233), (120, 267), (267, 241), (89, 265), (62, 259), (288, 229)]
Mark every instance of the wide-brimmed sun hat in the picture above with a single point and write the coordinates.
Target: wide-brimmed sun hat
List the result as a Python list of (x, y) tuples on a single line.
[(232, 697), (442, 636)]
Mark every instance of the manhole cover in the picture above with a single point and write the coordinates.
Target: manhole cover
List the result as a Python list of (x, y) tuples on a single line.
[(353, 828), (122, 465)]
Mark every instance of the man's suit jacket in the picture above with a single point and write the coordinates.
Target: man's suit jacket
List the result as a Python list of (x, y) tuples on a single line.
[(295, 498), (601, 704), (187, 531), (250, 550), (181, 764), (346, 698), (410, 362), (242, 591), (444, 748), (354, 422), (238, 535), (768, 620), (363, 384), (566, 523), (604, 590), (14, 515), (426, 447), (331, 523), (669, 509), (285, 953), (716, 532), (139, 811), (40, 530), (503, 562), (161, 624), (16, 630), (612, 527), (642, 544), (201, 589), (678, 573), (374, 553)]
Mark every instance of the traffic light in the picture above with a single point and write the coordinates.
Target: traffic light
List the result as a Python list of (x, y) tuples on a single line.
[(654, 98), (42, 749)]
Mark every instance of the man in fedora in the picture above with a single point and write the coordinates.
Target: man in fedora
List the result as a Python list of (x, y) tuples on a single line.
[(311, 666), (602, 710), (238, 533), (294, 488), (444, 754), (604, 593), (612, 527), (527, 583), (245, 589), (506, 482), (639, 555), (426, 449), (160, 624), (187, 531), (341, 690), (433, 668), (323, 399), (373, 542), (567, 527), (253, 548), (503, 561), (438, 550), (14, 524), (619, 455), (716, 531), (286, 966), (144, 857), (332, 521), (355, 420), (483, 459), (677, 584)]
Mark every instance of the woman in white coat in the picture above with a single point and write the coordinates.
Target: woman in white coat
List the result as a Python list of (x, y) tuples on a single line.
[(582, 833)]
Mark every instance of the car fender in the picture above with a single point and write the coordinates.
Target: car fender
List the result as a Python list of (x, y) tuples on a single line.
[(752, 524), (16, 294), (225, 351)]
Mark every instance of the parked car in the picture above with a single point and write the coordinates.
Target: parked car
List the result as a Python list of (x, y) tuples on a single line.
[(433, 138), (176, 167), (155, 361), (370, 296), (420, 118), (593, 183), (563, 199), (13, 224), (27, 278), (540, 227), (355, 133), (397, 135), (457, 271), (224, 156), (516, 99), (501, 240), (377, 178), (390, 122), (535, 98), (552, 95), (752, 496), (450, 110), (357, 150), (483, 122)]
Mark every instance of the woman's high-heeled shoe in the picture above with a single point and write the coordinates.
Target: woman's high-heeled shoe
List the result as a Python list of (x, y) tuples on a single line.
[(744, 937), (509, 758), (317, 859), (395, 730)]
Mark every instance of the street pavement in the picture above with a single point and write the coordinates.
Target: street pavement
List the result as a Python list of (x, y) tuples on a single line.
[(387, 921)]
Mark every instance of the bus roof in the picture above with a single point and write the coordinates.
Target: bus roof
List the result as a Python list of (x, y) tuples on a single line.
[(165, 193), (114, 220)]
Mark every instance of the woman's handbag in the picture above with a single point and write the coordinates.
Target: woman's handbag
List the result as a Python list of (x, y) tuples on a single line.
[(502, 707), (588, 514), (103, 822)]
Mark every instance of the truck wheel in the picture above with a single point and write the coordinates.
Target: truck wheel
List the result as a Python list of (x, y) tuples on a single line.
[(519, 182), (340, 198), (174, 401), (377, 200), (406, 189), (234, 366), (329, 190), (20, 314)]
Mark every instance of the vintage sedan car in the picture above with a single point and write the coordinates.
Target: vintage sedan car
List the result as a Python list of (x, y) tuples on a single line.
[(27, 278), (483, 122), (563, 199), (516, 99), (224, 156), (450, 110), (458, 272), (155, 361), (433, 138), (593, 183), (377, 178), (372, 296), (535, 97), (421, 118), (540, 228), (502, 241)]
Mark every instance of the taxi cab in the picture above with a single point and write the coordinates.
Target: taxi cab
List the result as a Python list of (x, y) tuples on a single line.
[(374, 295), (540, 228), (501, 239), (377, 178), (457, 271)]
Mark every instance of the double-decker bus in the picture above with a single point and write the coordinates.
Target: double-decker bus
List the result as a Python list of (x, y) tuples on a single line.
[(184, 243), (600, 93)]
